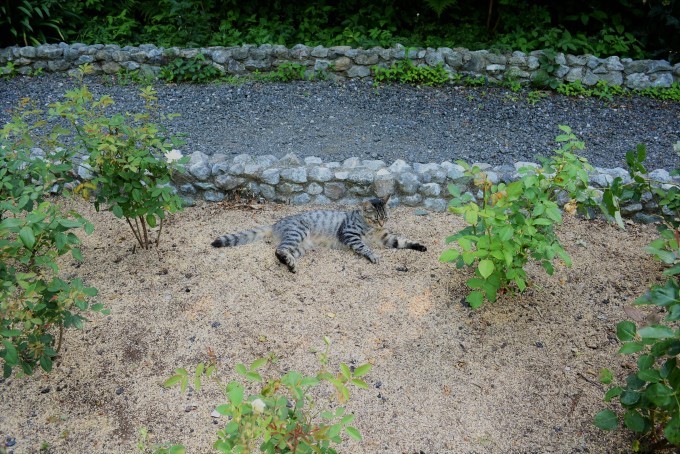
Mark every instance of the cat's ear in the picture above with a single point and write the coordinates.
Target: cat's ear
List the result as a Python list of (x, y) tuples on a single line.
[(367, 206), (386, 200)]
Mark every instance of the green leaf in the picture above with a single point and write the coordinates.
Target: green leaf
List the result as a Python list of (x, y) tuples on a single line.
[(635, 421), (625, 330), (645, 361), (240, 369), (27, 237), (449, 255), (172, 381), (362, 370), (475, 299), (629, 398), (151, 220), (605, 376), (258, 363), (672, 430), (344, 370), (235, 395), (359, 383), (485, 268), (609, 395), (649, 375), (117, 211), (656, 332), (10, 332), (354, 433), (659, 394), (606, 420)]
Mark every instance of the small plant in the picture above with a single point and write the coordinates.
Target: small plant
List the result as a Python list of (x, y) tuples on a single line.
[(35, 302), (8, 71), (534, 96), (197, 70), (478, 81), (515, 222), (132, 159), (544, 77), (144, 446), (284, 416), (404, 71), (575, 88)]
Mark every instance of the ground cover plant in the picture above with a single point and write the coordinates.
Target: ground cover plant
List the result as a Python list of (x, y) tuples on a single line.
[(286, 415)]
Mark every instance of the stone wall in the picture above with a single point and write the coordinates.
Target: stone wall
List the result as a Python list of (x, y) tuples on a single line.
[(310, 180), (344, 62)]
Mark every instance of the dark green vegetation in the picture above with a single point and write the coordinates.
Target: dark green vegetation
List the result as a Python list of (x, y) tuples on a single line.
[(650, 397), (628, 28)]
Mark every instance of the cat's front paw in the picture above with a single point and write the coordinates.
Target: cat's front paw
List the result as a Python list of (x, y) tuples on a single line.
[(418, 247), (373, 258)]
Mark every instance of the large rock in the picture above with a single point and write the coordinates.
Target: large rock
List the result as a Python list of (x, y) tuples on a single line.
[(199, 166)]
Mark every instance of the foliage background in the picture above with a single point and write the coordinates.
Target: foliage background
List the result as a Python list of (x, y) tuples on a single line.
[(628, 28)]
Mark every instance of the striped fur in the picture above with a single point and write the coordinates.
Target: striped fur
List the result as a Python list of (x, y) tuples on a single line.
[(301, 232)]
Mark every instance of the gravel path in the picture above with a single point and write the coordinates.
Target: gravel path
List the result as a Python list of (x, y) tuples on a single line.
[(337, 121)]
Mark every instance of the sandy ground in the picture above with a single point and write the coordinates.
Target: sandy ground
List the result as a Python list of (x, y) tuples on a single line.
[(515, 376)]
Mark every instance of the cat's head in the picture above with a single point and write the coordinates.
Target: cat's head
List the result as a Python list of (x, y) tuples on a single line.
[(375, 211)]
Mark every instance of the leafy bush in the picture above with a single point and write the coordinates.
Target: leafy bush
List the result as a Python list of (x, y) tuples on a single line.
[(284, 415), (197, 70), (650, 395), (132, 158), (515, 222), (404, 71), (34, 232)]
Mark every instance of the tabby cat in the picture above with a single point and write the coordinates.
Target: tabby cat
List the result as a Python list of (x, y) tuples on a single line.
[(301, 232)]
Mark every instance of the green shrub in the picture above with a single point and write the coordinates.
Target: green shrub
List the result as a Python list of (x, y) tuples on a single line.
[(650, 394), (133, 160), (197, 70), (405, 72), (285, 415), (34, 231), (514, 222)]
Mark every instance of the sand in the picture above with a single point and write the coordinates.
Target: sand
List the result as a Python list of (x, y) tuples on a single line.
[(518, 375)]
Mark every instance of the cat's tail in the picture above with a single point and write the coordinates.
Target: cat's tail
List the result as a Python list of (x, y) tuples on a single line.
[(238, 239)]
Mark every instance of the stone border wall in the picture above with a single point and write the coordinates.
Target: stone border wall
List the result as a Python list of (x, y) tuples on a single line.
[(340, 62), (310, 180)]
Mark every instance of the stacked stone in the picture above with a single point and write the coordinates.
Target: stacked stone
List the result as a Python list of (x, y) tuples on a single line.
[(310, 180), (341, 62)]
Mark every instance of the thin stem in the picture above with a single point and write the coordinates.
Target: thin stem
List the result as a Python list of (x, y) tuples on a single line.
[(139, 240), (146, 235), (61, 335), (158, 237)]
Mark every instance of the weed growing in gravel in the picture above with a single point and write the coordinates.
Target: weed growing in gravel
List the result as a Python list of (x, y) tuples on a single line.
[(197, 70), (34, 232), (534, 96), (650, 395), (515, 222), (285, 415), (606, 91), (132, 159), (404, 71)]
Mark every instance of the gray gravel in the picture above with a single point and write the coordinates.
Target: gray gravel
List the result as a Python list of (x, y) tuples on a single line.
[(335, 121)]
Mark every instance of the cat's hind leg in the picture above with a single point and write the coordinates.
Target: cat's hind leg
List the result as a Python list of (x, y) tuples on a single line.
[(291, 248)]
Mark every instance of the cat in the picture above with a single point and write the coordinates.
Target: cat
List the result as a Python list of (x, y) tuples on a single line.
[(301, 232)]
